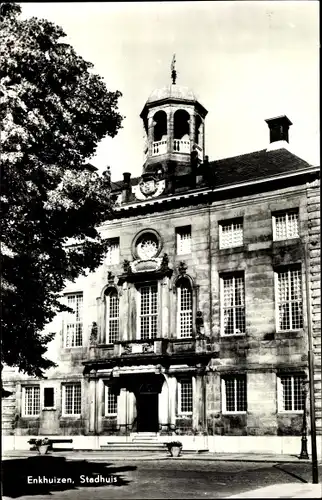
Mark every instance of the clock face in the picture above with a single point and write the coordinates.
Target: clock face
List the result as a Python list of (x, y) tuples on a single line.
[(147, 247)]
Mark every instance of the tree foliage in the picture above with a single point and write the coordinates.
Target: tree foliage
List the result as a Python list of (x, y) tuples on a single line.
[(54, 111)]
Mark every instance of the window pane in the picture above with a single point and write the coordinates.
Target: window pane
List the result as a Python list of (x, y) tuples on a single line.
[(72, 399), (241, 394), (185, 312), (233, 309), (32, 400), (286, 225), (112, 310), (232, 234), (111, 401), (287, 393), (186, 396), (113, 252), (292, 395), (74, 321), (236, 393), (230, 394), (184, 240), (148, 311), (289, 296)]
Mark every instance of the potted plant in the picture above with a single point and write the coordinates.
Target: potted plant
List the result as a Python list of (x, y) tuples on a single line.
[(42, 445), (174, 447)]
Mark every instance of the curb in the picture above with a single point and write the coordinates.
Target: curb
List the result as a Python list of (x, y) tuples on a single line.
[(78, 455)]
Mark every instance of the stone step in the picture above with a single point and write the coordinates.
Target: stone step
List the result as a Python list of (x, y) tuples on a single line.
[(133, 447)]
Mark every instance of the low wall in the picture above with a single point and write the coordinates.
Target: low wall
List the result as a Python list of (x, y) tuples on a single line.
[(281, 445)]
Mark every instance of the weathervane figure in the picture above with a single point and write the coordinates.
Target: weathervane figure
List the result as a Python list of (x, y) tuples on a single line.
[(173, 70)]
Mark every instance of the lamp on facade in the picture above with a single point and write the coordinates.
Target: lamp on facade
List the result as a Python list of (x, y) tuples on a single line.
[(304, 454)]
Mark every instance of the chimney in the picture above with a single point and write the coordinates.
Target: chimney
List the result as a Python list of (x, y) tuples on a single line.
[(278, 132), (126, 190)]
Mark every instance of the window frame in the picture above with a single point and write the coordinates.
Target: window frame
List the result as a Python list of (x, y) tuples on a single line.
[(277, 271), (280, 394), (179, 406), (180, 311), (287, 212), (110, 242), (230, 222), (71, 415), (179, 232), (111, 292), (108, 393), (23, 412), (139, 315), (224, 379), (222, 277), (69, 315)]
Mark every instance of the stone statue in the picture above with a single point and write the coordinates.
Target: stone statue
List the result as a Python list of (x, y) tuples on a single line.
[(93, 336)]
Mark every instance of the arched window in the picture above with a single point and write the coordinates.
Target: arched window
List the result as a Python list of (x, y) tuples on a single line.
[(184, 308), (112, 316)]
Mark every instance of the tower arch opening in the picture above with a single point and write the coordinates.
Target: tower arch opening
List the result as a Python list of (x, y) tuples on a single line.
[(181, 131), (160, 131)]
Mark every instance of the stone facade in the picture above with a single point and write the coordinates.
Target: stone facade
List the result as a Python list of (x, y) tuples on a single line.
[(163, 381)]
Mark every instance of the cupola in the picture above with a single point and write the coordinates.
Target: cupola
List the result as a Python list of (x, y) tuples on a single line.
[(174, 123)]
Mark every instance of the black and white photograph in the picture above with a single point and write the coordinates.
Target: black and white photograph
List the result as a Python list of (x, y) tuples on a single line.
[(160, 250)]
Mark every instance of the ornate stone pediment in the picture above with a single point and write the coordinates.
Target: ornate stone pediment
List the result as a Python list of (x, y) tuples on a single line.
[(156, 267)]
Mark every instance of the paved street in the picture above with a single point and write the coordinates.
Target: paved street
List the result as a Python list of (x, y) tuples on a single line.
[(159, 479)]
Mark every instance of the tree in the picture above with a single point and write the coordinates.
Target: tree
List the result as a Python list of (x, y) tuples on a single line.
[(54, 111)]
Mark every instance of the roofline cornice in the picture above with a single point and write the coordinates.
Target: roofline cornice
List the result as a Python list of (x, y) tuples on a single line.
[(204, 192)]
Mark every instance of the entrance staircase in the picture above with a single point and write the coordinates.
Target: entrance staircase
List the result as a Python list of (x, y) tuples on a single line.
[(142, 443)]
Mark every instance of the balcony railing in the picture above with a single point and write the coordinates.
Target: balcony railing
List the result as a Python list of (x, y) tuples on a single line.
[(159, 148), (180, 146)]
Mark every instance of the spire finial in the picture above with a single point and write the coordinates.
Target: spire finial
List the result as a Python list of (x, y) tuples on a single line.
[(173, 70)]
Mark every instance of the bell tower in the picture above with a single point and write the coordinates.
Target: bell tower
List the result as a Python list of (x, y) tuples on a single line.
[(174, 124)]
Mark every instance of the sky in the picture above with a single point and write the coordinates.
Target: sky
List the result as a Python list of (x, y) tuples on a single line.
[(246, 62)]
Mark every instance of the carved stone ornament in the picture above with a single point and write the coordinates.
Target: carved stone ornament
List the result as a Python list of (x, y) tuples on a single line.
[(127, 267), (147, 347), (182, 268), (149, 187), (165, 262), (127, 349), (110, 277), (199, 323), (93, 336)]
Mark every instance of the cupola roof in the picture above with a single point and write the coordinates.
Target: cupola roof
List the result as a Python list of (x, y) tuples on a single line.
[(172, 91)]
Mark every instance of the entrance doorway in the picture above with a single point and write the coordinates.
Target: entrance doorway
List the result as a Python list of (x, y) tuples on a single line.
[(147, 406)]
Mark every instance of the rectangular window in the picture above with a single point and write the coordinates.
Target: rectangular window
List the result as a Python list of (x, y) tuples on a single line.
[(74, 321), (72, 401), (112, 312), (290, 395), (231, 233), (148, 319), (185, 398), (31, 399), (185, 310), (233, 304), (49, 397), (289, 298), (285, 225), (110, 402), (113, 251), (234, 394), (183, 240)]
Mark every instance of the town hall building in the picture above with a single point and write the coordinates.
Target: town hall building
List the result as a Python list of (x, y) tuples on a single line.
[(196, 324)]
